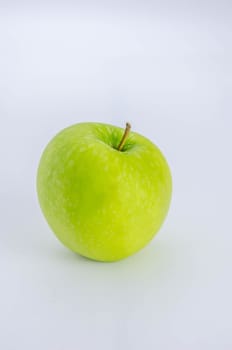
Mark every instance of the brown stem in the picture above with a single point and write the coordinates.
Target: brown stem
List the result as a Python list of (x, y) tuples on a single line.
[(125, 135)]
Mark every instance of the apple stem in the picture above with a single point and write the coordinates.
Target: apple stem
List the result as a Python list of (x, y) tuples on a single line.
[(124, 137)]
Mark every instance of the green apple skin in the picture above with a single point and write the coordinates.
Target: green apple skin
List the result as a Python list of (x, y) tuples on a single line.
[(103, 203)]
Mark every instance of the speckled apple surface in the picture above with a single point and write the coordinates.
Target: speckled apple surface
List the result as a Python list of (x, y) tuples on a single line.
[(103, 203)]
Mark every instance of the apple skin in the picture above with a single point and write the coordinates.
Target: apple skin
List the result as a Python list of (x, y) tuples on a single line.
[(103, 203)]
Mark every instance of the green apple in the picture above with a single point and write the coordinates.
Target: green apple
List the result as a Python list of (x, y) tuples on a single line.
[(104, 192)]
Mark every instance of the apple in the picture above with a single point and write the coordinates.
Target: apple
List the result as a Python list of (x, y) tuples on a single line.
[(104, 192)]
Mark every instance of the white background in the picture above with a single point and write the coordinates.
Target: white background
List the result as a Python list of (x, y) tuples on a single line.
[(167, 69)]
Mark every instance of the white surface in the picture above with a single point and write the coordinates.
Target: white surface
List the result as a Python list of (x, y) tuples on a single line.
[(167, 71)]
